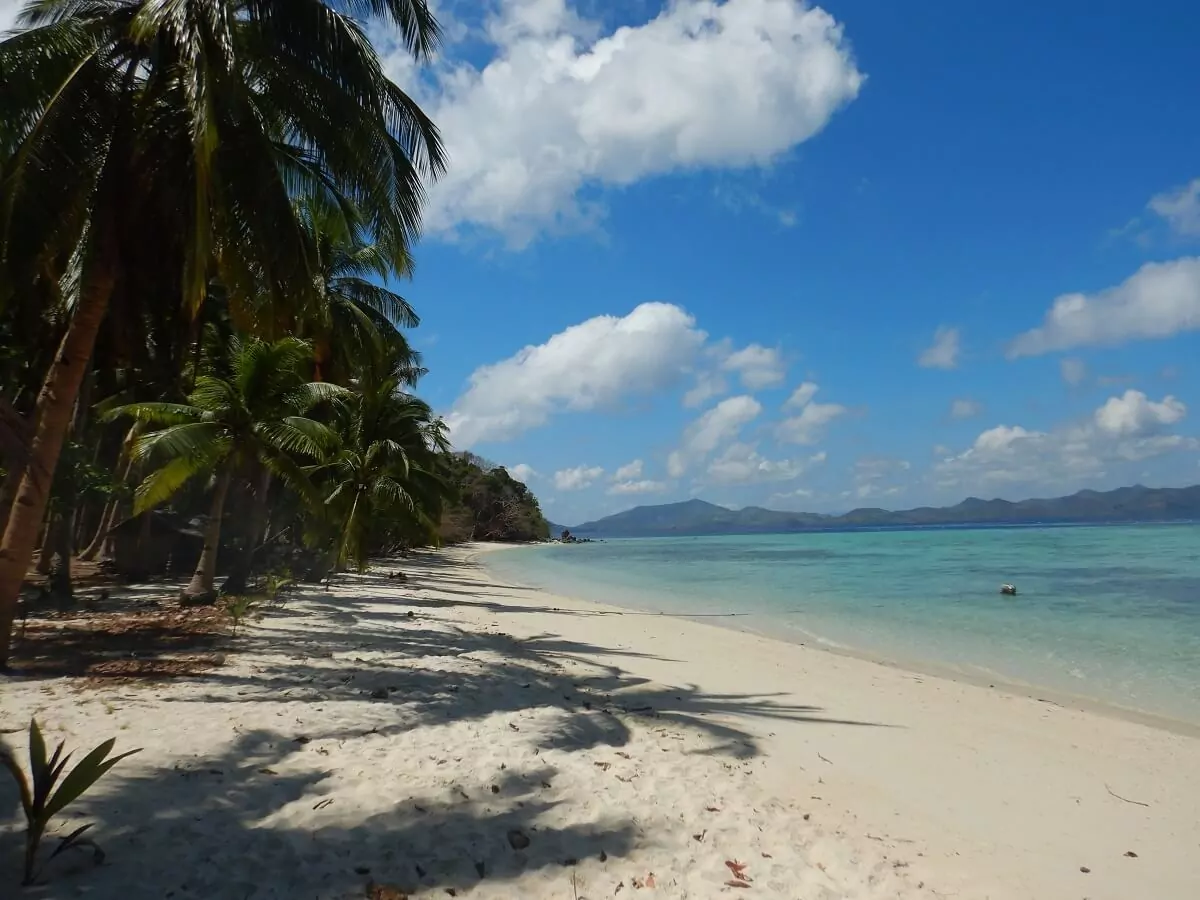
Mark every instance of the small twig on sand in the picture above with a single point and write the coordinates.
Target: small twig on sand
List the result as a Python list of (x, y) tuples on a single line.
[(823, 758), (574, 887), (1126, 799)]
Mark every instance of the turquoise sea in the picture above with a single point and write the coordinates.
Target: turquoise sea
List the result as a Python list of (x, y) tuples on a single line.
[(1108, 613)]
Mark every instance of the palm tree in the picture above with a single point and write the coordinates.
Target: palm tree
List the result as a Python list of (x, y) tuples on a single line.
[(382, 479), (352, 309), (177, 134), (253, 418)]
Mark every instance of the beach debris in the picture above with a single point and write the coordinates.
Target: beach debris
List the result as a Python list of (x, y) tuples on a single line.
[(699, 838), (1131, 854), (767, 855), (302, 739), (517, 839), (736, 884), (712, 808), (323, 803), (513, 726), (384, 892), (603, 856), (1126, 799), (604, 766), (623, 755), (647, 882), (1084, 869), (495, 788), (738, 869), (452, 892), (823, 759)]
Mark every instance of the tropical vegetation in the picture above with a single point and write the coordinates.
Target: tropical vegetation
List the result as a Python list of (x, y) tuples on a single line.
[(204, 205)]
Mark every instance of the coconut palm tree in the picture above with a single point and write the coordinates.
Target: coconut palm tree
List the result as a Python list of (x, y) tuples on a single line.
[(381, 481), (353, 310), (249, 420), (160, 143)]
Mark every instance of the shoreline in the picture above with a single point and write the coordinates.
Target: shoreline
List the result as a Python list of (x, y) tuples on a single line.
[(455, 734), (928, 668), (1012, 793)]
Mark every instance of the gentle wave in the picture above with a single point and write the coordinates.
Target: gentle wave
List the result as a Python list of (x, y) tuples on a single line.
[(1111, 613)]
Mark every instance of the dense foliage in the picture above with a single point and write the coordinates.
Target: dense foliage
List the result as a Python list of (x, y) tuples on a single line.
[(489, 505), (202, 365)]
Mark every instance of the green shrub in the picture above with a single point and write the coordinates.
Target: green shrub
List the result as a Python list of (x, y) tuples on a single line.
[(239, 607), (45, 792), (274, 585)]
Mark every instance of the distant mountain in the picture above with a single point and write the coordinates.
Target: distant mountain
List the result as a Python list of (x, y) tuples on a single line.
[(692, 517)]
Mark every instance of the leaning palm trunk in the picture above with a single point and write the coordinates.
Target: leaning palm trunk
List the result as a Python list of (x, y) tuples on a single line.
[(239, 576), (112, 509), (108, 518), (201, 589), (55, 406)]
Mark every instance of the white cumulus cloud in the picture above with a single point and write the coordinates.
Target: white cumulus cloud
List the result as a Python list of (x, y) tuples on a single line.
[(522, 472), (758, 367), (741, 463), (1125, 429), (1180, 207), (943, 352), (1157, 301), (809, 426), (590, 365), (708, 385), (801, 396), (578, 478), (1133, 413), (713, 428), (560, 105), (629, 471)]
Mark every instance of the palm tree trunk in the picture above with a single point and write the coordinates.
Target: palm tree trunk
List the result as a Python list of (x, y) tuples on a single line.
[(112, 509), (238, 578), (15, 435), (55, 406), (46, 554), (108, 517), (201, 589), (60, 574)]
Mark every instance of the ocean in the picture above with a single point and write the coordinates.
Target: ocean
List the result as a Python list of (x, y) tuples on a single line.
[(1108, 613)]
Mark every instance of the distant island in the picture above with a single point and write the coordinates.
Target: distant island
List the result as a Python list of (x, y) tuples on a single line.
[(698, 517)]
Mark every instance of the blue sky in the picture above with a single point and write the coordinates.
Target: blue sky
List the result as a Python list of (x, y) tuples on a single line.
[(664, 223), (766, 252)]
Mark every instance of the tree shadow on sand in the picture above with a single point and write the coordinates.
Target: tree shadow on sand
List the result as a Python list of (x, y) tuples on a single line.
[(205, 829), (396, 665)]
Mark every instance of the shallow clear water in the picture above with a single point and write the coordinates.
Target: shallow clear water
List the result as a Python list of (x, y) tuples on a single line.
[(1111, 613)]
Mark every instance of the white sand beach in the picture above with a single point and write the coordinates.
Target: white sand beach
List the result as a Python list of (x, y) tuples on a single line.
[(458, 736)]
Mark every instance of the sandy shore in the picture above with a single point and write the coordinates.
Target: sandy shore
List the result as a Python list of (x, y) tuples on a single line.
[(458, 736)]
